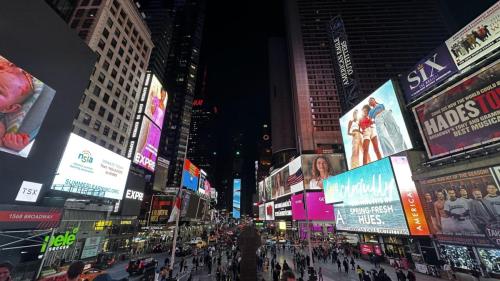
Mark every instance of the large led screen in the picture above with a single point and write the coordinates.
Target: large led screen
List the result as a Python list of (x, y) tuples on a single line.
[(307, 171), (147, 145), (283, 208), (463, 207), (366, 199), (269, 207), (262, 212), (190, 176), (24, 102), (156, 103), (463, 116), (375, 128), (477, 39), (317, 209), (261, 192), (89, 169), (236, 198)]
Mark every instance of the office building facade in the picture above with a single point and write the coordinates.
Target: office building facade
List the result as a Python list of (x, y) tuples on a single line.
[(385, 39), (116, 32)]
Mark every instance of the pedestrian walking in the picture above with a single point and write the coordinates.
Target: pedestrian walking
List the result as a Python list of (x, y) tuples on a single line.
[(360, 273), (352, 263), (339, 266), (346, 265), (320, 274), (411, 276)]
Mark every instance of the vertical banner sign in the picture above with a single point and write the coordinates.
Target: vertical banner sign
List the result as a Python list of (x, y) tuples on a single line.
[(427, 73), (344, 71), (463, 116), (236, 198), (477, 39)]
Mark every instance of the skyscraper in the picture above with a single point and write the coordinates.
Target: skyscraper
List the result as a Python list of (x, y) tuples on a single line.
[(181, 76), (385, 39), (115, 30)]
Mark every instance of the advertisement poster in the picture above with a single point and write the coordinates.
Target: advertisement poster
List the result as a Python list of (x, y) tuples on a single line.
[(262, 212), (412, 205), (24, 105), (161, 174), (261, 192), (283, 208), (156, 103), (190, 176), (147, 145), (317, 167), (427, 73), (236, 198), (366, 199), (269, 206), (91, 247), (463, 116), (461, 207), (132, 201), (89, 169), (344, 69), (317, 209), (375, 128), (476, 39), (14, 217), (161, 206), (268, 187)]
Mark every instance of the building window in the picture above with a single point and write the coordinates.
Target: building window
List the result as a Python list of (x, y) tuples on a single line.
[(86, 119), (96, 2), (109, 22), (121, 52), (122, 139), (114, 104), (101, 77), (82, 133), (75, 23), (91, 105), (114, 73), (118, 122), (97, 91), (111, 147), (102, 110), (93, 138), (121, 110), (119, 151), (125, 128), (113, 43), (105, 98), (105, 131), (109, 54), (92, 13), (118, 62), (110, 85), (87, 23), (110, 117), (102, 142), (127, 115), (97, 125), (83, 34), (114, 135), (117, 33), (105, 65), (118, 92)]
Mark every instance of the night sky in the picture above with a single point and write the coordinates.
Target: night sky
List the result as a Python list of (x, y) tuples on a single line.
[(235, 55)]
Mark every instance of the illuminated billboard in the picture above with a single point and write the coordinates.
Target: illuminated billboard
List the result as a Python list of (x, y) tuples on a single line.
[(150, 116), (305, 172), (317, 209), (89, 169), (283, 208), (190, 176), (477, 39), (463, 207), (236, 198), (366, 199), (269, 208), (462, 116), (24, 102), (375, 128)]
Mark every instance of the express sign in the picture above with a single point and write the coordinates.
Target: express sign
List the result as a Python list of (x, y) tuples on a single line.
[(134, 195)]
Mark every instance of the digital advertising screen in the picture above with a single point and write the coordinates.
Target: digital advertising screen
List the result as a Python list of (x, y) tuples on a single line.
[(147, 145), (156, 103), (476, 39), (366, 199), (428, 72), (375, 128), (283, 208), (24, 104), (307, 171), (201, 183), (317, 167), (463, 207), (269, 207), (190, 176), (236, 198), (317, 209), (261, 192), (161, 174), (192, 210), (161, 207), (412, 205), (463, 116), (89, 169), (262, 212)]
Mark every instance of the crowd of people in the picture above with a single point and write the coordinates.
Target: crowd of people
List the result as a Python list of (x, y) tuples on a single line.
[(344, 259)]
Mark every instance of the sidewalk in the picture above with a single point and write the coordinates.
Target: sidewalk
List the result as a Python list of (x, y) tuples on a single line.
[(330, 272)]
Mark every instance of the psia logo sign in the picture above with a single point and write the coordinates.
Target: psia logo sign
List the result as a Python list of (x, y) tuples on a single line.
[(85, 157), (134, 195)]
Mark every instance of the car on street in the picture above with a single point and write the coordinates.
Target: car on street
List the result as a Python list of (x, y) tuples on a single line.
[(140, 265)]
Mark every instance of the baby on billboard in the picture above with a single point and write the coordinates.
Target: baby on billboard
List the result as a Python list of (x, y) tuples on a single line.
[(24, 101)]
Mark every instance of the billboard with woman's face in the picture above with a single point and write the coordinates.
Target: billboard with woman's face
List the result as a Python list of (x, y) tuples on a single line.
[(375, 128), (24, 102)]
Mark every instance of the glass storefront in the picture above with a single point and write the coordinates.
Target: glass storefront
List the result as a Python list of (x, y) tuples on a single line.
[(459, 257), (490, 261)]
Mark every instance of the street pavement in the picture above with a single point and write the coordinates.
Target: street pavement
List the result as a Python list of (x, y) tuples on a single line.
[(330, 272)]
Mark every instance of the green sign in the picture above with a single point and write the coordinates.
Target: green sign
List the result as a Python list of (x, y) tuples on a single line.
[(59, 241)]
